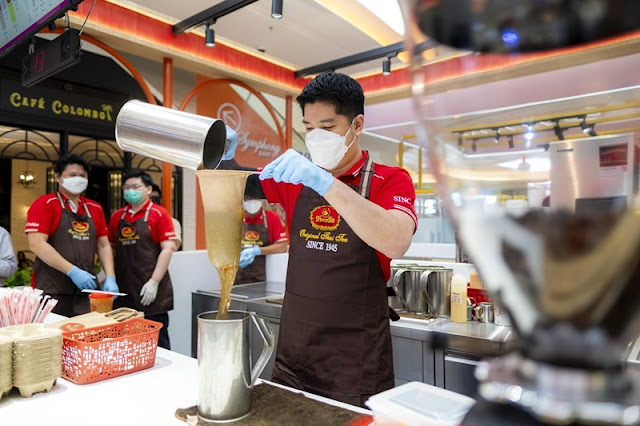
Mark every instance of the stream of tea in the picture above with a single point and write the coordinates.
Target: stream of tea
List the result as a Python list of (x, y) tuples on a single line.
[(222, 194)]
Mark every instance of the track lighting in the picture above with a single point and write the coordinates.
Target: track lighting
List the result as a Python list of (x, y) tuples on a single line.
[(510, 140), (585, 127), (473, 145), (210, 36), (558, 131), (592, 131), (496, 138), (386, 67), (460, 142), (276, 9)]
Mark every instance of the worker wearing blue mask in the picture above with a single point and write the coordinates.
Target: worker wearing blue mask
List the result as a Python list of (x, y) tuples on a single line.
[(144, 239)]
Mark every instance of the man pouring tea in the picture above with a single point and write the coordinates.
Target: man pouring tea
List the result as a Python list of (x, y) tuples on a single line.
[(348, 217)]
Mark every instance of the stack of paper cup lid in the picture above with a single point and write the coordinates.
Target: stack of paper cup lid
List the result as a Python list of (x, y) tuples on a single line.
[(6, 365), (37, 357)]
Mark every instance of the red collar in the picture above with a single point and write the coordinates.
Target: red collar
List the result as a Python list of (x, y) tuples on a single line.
[(129, 209), (355, 170), (256, 217), (66, 199)]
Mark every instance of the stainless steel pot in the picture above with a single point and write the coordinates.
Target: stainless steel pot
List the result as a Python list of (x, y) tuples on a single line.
[(225, 376)]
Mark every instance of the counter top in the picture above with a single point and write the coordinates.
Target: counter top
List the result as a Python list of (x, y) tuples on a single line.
[(147, 397)]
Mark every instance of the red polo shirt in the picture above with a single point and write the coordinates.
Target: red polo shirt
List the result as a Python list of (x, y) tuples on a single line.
[(159, 222), (391, 188), (44, 214), (274, 224)]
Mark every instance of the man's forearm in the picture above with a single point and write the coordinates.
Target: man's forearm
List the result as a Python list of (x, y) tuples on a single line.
[(274, 248), (105, 255), (49, 255), (388, 231), (162, 265)]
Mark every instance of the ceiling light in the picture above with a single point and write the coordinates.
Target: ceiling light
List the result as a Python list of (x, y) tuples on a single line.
[(496, 138), (529, 135), (386, 67), (473, 146), (585, 127), (510, 139), (210, 36), (592, 131), (276, 9), (460, 142)]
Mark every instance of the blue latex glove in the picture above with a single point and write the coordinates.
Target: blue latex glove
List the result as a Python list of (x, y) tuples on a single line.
[(292, 167), (82, 279), (248, 255), (232, 137), (110, 285)]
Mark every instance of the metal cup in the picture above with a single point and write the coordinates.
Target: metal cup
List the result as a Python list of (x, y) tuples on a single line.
[(225, 376), (176, 137), (484, 311)]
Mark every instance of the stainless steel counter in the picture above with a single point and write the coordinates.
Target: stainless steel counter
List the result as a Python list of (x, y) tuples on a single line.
[(472, 336)]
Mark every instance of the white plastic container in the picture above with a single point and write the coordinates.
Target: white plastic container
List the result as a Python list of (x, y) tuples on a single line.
[(418, 403)]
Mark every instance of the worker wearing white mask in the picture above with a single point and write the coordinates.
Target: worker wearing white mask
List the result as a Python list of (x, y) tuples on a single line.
[(262, 234), (347, 218), (144, 239), (65, 231)]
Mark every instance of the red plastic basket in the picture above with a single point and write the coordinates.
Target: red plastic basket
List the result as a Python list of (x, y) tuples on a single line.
[(98, 353)]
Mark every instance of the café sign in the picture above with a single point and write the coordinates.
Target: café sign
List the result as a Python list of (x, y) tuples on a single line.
[(58, 104)]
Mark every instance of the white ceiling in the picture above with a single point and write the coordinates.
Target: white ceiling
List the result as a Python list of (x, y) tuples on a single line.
[(308, 34)]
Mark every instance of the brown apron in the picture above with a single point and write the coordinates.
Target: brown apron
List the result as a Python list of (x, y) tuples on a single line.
[(254, 234), (75, 240), (136, 257), (334, 338)]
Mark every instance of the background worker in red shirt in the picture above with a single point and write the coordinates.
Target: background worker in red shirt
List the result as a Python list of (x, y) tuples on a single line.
[(65, 231), (347, 218), (144, 239), (262, 234)]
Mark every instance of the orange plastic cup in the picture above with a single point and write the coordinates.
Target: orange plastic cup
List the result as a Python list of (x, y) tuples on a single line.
[(101, 302)]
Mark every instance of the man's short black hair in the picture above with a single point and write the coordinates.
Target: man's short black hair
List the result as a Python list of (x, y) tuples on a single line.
[(336, 89), (68, 159), (156, 188), (137, 173)]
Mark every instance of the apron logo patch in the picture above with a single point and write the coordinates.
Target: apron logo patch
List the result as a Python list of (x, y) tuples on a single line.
[(128, 235), (251, 236), (324, 218), (79, 230), (80, 227)]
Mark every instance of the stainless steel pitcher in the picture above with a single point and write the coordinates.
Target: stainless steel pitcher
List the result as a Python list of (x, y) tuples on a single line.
[(406, 283), (176, 137), (435, 282), (225, 376), (396, 281)]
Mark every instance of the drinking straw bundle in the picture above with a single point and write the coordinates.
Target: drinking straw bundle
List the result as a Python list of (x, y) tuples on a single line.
[(23, 306)]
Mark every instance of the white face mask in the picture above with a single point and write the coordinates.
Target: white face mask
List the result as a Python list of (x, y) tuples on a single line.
[(252, 206), (327, 148), (75, 185)]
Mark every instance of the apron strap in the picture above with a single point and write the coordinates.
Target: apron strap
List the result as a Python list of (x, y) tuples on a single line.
[(86, 209), (367, 173), (146, 213), (61, 202)]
